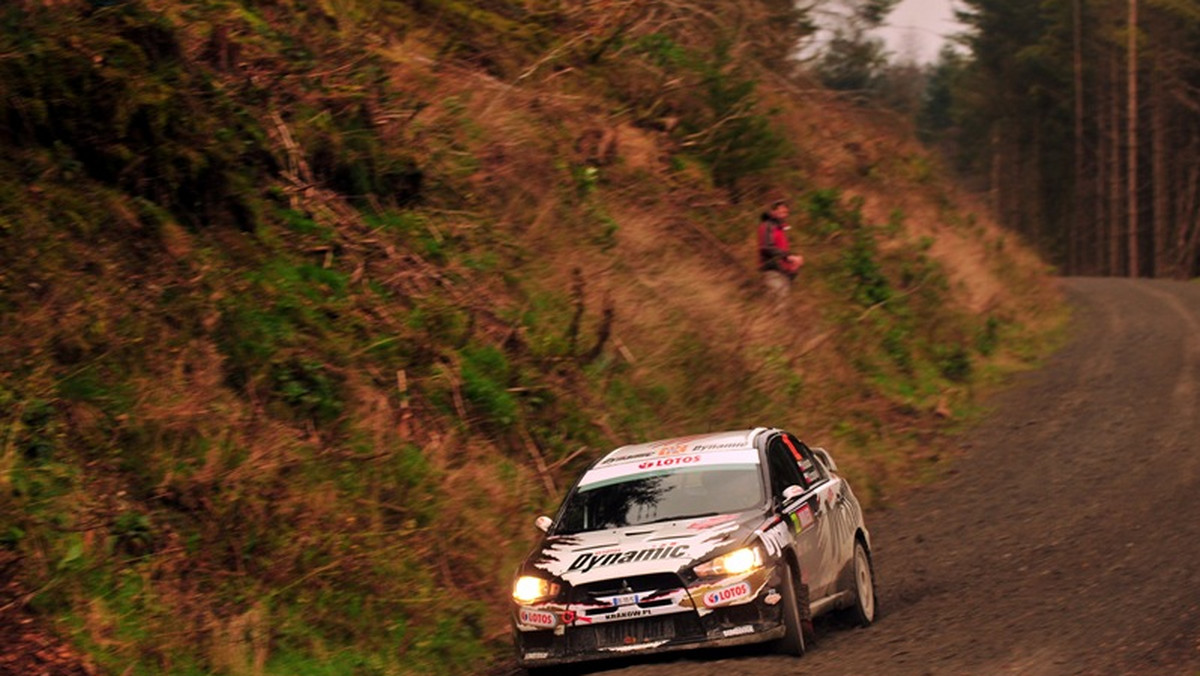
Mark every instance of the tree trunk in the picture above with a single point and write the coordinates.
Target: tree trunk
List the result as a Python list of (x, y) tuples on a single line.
[(995, 190), (1032, 208), (1159, 175), (1114, 173), (1188, 222), (1132, 138), (1074, 245), (1100, 184)]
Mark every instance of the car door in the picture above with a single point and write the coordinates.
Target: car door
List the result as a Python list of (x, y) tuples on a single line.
[(839, 515), (799, 513), (823, 501)]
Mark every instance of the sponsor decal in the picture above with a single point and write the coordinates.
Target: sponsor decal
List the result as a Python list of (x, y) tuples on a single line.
[(772, 598), (712, 522), (587, 561), (739, 631), (626, 458), (538, 618), (669, 462), (624, 468), (775, 538), (718, 447), (805, 515), (673, 449), (727, 595), (626, 614)]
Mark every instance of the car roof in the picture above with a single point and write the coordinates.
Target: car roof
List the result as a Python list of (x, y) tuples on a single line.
[(696, 443), (696, 452)]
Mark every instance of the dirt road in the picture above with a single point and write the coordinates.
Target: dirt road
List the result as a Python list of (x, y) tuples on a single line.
[(1067, 541)]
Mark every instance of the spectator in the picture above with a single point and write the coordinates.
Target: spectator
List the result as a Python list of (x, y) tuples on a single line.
[(776, 261)]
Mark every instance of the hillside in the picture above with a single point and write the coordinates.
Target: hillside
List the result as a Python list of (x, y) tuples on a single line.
[(308, 309)]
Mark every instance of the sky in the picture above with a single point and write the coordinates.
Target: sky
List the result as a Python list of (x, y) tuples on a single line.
[(918, 28)]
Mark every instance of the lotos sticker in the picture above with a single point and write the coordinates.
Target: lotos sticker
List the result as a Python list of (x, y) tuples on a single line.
[(669, 462), (727, 595), (538, 618)]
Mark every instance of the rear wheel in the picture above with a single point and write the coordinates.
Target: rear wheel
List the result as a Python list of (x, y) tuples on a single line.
[(862, 612), (792, 642)]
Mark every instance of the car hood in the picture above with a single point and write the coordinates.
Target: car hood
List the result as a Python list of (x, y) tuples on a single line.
[(580, 558)]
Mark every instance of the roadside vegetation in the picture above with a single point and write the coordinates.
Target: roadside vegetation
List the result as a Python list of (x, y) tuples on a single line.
[(308, 309)]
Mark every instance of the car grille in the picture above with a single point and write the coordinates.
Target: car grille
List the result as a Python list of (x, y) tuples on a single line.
[(635, 632), (637, 584)]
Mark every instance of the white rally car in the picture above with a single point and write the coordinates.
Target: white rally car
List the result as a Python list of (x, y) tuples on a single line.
[(710, 540)]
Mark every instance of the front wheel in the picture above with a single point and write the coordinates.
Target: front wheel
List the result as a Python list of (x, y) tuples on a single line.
[(792, 641), (863, 611)]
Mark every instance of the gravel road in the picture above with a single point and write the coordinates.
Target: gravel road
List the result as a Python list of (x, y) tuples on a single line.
[(1066, 540)]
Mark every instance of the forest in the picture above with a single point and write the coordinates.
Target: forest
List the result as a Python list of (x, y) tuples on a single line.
[(1079, 118)]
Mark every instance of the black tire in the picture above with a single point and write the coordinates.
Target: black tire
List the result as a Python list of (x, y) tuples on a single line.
[(792, 642), (864, 609)]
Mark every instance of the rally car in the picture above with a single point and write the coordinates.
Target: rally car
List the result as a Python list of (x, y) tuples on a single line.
[(703, 541)]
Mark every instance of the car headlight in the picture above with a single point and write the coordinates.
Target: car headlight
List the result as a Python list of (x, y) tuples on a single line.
[(736, 562), (528, 589)]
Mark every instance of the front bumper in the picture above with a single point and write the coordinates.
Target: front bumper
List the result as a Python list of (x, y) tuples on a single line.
[(729, 612)]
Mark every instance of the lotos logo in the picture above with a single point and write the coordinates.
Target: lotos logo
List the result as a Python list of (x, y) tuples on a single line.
[(669, 462), (538, 618), (727, 594)]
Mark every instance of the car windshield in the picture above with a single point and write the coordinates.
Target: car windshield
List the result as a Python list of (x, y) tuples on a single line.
[(665, 496)]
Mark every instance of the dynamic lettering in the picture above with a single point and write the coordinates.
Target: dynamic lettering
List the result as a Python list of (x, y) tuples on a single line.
[(587, 561)]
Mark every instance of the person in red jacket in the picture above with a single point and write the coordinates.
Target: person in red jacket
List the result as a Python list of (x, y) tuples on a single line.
[(776, 261)]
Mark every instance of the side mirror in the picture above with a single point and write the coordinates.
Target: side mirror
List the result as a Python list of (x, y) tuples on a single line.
[(792, 492), (825, 458), (543, 523)]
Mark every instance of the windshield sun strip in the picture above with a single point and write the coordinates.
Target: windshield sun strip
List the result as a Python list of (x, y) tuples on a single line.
[(663, 472)]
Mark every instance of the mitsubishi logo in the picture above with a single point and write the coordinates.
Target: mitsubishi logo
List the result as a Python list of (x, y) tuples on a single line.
[(625, 588)]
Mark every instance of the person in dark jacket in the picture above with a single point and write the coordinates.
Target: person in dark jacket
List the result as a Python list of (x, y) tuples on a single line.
[(776, 261)]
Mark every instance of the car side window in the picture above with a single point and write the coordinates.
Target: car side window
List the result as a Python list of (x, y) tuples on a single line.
[(784, 470), (813, 471)]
